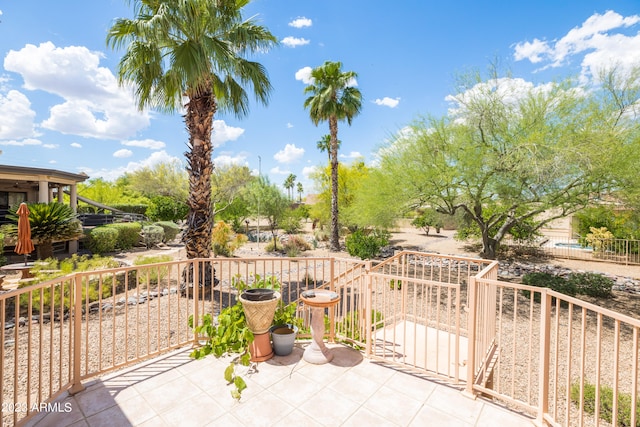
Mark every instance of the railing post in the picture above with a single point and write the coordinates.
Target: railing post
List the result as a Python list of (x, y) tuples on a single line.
[(76, 318), (196, 292), (367, 310), (332, 310), (471, 344), (545, 346)]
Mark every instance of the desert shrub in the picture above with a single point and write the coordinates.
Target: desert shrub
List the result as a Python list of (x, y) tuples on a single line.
[(128, 234), (366, 245), (321, 235), (591, 284), (224, 241), (101, 240), (153, 274), (171, 230), (547, 280), (152, 235), (291, 223), (606, 403), (270, 246), (296, 244)]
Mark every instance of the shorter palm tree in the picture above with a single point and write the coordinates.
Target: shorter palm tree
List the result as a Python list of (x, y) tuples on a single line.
[(49, 222), (324, 144)]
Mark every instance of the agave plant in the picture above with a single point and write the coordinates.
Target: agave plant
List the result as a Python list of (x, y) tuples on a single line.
[(49, 222)]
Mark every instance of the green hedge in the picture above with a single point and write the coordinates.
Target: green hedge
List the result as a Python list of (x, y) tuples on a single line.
[(606, 403), (102, 240), (128, 234)]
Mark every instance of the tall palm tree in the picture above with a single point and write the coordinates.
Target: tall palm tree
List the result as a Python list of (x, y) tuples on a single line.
[(333, 98), (289, 183), (194, 50), (300, 191), (324, 144)]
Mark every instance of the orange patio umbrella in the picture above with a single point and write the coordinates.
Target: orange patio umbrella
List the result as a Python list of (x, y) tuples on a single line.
[(24, 245)]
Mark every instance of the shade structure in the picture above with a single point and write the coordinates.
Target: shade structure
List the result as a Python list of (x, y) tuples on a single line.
[(24, 246)]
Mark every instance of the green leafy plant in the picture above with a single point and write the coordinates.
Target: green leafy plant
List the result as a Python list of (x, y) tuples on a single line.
[(366, 244), (393, 284), (286, 314), (605, 405), (49, 222), (229, 333)]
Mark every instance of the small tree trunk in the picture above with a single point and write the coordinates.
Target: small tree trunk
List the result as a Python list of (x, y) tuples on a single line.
[(489, 247)]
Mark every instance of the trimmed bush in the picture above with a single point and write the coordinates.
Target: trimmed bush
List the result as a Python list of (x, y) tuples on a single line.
[(102, 240), (152, 235), (128, 234), (171, 230)]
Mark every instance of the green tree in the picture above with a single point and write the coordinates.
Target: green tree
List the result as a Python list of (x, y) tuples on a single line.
[(289, 183), (195, 50), (229, 183), (350, 181), (272, 202), (332, 98), (509, 152), (108, 193), (168, 179), (49, 222)]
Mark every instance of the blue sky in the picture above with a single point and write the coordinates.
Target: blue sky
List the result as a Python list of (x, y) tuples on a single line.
[(61, 108)]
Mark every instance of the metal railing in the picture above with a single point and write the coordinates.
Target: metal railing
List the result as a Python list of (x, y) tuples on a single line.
[(447, 317), (619, 251)]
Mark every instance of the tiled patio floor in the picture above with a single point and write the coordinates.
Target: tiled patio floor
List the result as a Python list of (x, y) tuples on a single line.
[(175, 390)]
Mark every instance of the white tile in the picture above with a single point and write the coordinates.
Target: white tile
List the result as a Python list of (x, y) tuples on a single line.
[(197, 411)]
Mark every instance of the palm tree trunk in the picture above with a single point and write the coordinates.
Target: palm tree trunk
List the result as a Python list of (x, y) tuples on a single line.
[(335, 231), (199, 122)]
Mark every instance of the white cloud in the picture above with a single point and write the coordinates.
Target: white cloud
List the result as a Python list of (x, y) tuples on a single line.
[(388, 102), (289, 125), (111, 174), (294, 41), (151, 144), (22, 142), (301, 22), (304, 75), (50, 146), (76, 145), (599, 38), (94, 105), (351, 155), (16, 116), (123, 153), (226, 159), (223, 133), (278, 171), (308, 170), (289, 154)]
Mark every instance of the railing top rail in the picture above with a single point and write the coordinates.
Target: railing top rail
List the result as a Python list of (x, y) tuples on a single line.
[(563, 297), (492, 264), (417, 280)]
